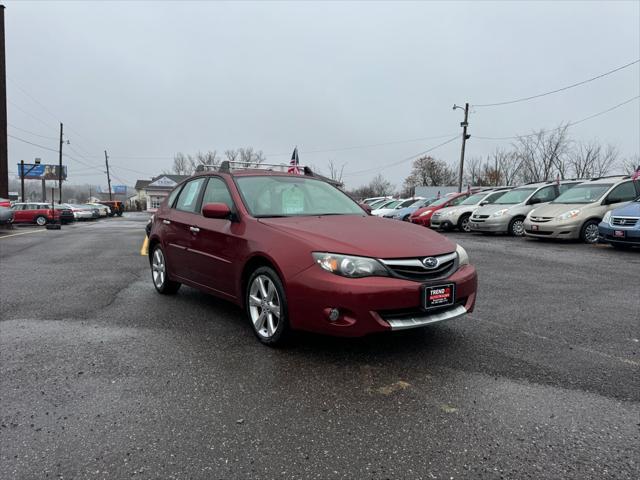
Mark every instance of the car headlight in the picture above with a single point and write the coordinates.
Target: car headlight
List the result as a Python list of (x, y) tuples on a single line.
[(607, 217), (463, 258), (569, 214), (426, 212), (499, 213), (349, 266)]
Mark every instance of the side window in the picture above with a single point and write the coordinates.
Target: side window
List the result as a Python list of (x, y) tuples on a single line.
[(217, 192), (457, 201), (622, 193), (188, 198), (172, 196), (494, 196), (545, 194), (566, 186)]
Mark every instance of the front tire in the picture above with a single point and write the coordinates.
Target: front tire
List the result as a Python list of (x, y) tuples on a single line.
[(463, 223), (160, 274), (516, 227), (589, 232), (266, 307)]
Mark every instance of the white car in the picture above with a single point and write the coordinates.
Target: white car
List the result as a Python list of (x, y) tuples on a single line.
[(372, 200), (103, 210), (395, 205)]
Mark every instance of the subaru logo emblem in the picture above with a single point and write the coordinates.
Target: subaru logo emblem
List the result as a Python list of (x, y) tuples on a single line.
[(430, 262)]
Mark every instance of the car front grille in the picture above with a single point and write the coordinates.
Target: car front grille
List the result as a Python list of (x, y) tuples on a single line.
[(541, 219), (624, 221), (415, 269), (479, 218)]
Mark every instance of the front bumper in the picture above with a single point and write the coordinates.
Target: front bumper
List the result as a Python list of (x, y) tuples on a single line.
[(607, 235), (553, 229), (497, 224), (445, 223), (371, 304), (424, 221)]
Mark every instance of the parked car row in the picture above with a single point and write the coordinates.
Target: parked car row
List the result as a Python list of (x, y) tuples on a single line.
[(40, 213), (603, 209)]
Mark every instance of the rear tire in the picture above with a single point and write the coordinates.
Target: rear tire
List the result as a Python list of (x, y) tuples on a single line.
[(463, 223), (516, 227), (266, 307), (160, 273), (41, 220), (589, 232)]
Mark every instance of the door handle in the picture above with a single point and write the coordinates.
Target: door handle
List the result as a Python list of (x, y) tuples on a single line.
[(166, 222), (194, 229)]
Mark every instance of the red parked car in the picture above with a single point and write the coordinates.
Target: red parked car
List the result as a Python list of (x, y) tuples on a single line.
[(298, 254), (422, 216), (38, 213)]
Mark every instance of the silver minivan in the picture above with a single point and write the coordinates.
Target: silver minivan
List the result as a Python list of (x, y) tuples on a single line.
[(576, 213), (507, 213)]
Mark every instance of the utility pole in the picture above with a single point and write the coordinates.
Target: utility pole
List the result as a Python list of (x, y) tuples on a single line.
[(4, 158), (106, 160), (465, 137), (60, 167), (22, 180)]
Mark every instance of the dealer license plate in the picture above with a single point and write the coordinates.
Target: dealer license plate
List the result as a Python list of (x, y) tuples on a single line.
[(619, 233), (439, 295), (534, 228)]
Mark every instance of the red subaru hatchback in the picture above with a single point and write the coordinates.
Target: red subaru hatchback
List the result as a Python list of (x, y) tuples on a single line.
[(298, 254)]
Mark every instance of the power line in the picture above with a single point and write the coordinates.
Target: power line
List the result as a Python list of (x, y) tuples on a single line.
[(524, 99), (31, 143), (31, 133), (570, 124), (29, 114), (403, 160)]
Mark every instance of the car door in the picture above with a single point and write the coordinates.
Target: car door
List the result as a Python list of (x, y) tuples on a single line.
[(215, 244), (178, 221)]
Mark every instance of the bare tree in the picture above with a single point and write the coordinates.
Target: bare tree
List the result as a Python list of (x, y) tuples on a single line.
[(429, 171), (591, 160), (543, 153), (231, 155), (630, 164), (208, 158), (336, 172), (380, 186), (181, 164)]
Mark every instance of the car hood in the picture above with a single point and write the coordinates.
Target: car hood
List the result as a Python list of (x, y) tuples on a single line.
[(631, 210), (489, 209), (442, 211), (555, 209), (405, 210), (367, 236)]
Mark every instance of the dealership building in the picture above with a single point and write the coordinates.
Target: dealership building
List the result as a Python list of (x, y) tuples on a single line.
[(152, 192)]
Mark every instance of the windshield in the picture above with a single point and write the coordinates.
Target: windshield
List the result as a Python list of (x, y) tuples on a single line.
[(391, 205), (441, 201), (280, 196), (406, 203), (518, 195), (473, 199), (375, 203), (584, 193)]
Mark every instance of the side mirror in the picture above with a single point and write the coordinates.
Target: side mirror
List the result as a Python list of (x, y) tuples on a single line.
[(366, 208), (534, 201), (216, 210), (483, 203)]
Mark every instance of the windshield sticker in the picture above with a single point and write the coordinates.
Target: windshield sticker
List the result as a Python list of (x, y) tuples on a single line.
[(292, 201)]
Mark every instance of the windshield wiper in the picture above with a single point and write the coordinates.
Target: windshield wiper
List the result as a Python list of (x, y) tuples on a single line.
[(272, 216)]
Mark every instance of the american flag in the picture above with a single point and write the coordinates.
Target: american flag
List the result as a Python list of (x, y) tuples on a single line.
[(636, 175), (295, 161)]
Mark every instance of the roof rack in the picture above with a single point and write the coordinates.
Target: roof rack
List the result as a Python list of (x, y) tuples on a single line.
[(621, 177), (228, 166)]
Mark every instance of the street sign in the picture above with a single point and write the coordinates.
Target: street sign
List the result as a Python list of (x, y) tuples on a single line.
[(120, 189), (34, 171)]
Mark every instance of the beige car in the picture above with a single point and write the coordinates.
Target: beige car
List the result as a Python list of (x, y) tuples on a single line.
[(576, 213)]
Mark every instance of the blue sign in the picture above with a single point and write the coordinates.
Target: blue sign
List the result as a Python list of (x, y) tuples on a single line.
[(120, 189), (35, 172)]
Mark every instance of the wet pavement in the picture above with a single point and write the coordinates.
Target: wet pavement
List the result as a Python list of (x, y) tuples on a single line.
[(101, 377)]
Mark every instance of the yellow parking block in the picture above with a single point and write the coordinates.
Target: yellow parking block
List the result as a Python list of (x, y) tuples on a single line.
[(144, 251)]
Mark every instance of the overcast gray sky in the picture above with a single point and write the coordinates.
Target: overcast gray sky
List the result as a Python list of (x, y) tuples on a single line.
[(149, 79)]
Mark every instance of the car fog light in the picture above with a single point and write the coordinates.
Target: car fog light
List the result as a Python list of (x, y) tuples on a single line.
[(334, 314)]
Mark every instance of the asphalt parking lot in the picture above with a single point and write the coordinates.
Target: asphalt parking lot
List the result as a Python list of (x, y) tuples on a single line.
[(100, 377)]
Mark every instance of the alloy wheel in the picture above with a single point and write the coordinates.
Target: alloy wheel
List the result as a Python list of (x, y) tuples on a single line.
[(158, 268), (41, 221), (464, 225), (591, 233), (264, 306)]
